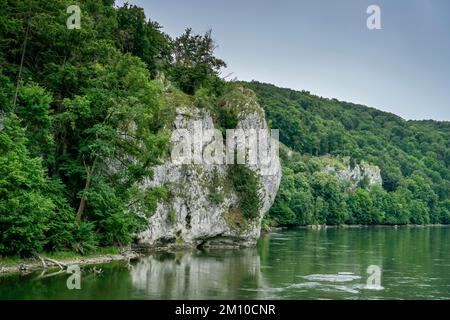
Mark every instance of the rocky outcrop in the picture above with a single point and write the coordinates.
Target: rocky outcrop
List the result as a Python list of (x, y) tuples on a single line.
[(202, 208), (363, 173)]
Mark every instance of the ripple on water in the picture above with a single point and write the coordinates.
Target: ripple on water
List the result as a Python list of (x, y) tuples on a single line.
[(347, 289), (331, 287), (304, 285), (373, 287), (332, 277)]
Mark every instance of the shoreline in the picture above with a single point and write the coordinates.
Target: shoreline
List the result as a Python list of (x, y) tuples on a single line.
[(28, 265), (356, 226)]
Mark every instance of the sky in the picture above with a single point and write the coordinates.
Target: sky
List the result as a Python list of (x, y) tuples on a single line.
[(325, 47)]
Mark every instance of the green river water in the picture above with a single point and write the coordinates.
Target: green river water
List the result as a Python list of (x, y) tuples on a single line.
[(288, 264)]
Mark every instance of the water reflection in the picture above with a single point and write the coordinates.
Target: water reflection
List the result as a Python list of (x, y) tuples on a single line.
[(290, 264), (216, 274)]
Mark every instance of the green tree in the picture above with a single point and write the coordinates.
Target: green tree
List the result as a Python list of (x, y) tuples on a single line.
[(419, 212), (361, 206), (247, 185), (24, 208), (194, 64), (143, 38)]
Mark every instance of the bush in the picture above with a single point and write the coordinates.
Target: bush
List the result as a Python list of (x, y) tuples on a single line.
[(246, 183), (216, 195), (24, 208), (85, 239), (61, 222)]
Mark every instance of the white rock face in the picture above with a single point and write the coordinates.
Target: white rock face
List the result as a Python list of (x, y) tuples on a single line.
[(190, 217), (357, 174)]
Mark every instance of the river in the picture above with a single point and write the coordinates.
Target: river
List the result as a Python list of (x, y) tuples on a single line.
[(406, 263)]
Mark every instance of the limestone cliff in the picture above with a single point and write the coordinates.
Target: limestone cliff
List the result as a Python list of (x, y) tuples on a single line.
[(361, 173), (203, 209)]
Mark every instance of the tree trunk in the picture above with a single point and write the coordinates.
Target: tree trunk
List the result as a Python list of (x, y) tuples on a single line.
[(21, 60), (90, 173)]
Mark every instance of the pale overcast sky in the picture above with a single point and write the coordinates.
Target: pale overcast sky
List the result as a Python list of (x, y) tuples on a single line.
[(324, 46)]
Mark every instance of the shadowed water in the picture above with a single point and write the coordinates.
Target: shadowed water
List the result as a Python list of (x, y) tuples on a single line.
[(291, 264)]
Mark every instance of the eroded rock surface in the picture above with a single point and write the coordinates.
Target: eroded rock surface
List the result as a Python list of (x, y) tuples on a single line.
[(202, 208)]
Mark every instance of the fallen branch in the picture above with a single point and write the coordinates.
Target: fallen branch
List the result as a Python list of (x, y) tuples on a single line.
[(43, 275), (61, 265), (43, 261)]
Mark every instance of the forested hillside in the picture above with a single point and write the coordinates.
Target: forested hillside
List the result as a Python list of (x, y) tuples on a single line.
[(414, 158), (86, 113)]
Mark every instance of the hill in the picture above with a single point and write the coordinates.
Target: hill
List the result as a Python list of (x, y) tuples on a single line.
[(413, 156)]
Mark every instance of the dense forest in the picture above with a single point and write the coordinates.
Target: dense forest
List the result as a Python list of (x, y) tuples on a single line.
[(414, 158), (84, 117), (83, 120)]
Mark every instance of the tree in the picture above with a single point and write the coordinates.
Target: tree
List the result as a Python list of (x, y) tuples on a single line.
[(247, 185), (143, 38), (24, 208), (397, 209), (361, 206), (419, 212), (33, 108), (327, 187), (412, 155), (194, 64), (444, 212), (112, 126)]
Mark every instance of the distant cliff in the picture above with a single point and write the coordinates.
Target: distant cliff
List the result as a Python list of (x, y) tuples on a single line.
[(362, 174)]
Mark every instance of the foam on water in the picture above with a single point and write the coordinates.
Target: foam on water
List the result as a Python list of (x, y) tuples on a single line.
[(332, 277), (305, 285)]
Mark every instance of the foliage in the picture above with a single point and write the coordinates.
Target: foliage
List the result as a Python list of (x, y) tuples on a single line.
[(216, 192), (412, 156), (89, 121), (142, 38), (24, 208), (91, 115), (194, 63), (247, 185)]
